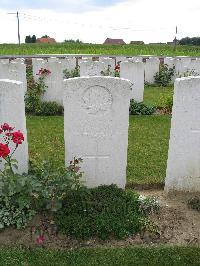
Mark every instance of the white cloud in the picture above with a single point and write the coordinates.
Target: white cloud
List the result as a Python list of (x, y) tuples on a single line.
[(150, 21)]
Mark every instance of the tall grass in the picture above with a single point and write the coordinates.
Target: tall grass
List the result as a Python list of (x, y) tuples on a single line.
[(73, 48)]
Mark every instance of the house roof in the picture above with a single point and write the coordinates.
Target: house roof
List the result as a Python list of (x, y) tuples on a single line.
[(46, 40), (114, 41)]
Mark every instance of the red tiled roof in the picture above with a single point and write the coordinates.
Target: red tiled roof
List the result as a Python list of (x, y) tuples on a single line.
[(46, 40)]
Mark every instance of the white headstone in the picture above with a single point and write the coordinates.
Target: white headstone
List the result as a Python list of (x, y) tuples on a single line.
[(12, 111), (18, 72), (4, 61), (195, 67), (96, 122), (108, 62), (53, 59), (18, 60), (151, 67), (170, 62), (37, 64), (183, 165), (91, 68), (134, 71), (83, 59), (14, 71), (68, 63), (182, 67), (53, 81), (135, 59), (120, 59)]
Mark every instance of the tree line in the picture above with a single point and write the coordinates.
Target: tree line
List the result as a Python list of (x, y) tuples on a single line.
[(190, 41)]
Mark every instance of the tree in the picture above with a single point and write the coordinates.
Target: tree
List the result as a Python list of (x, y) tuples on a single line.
[(72, 41), (190, 41), (33, 39), (45, 36), (28, 39)]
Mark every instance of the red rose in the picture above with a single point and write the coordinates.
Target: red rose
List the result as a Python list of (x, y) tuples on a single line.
[(6, 127), (17, 137), (1, 130), (9, 134), (44, 71), (40, 239), (4, 150), (117, 67)]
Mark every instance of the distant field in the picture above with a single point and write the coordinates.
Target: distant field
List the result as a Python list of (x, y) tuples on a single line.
[(62, 48)]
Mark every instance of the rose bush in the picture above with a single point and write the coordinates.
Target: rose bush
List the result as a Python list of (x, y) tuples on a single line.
[(8, 137)]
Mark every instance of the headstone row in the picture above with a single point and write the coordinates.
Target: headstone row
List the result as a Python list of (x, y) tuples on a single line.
[(99, 132), (13, 70)]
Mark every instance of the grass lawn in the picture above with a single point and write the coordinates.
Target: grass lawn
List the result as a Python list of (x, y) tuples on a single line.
[(154, 95), (171, 256), (147, 151)]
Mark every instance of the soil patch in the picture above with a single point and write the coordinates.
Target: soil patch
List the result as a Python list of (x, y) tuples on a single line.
[(177, 225)]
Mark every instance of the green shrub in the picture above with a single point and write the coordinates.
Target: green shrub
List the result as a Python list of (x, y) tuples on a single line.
[(140, 108), (16, 200), (22, 196), (49, 108), (103, 212), (164, 76), (149, 205), (110, 72), (35, 90), (71, 73), (194, 203), (166, 102)]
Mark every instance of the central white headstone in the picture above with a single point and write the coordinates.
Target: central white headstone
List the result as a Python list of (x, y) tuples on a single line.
[(109, 62), (53, 81), (12, 111), (96, 122), (183, 166), (91, 68), (134, 71), (151, 67)]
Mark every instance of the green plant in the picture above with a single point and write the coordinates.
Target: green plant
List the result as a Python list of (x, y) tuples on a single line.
[(103, 212), (21, 196), (164, 76), (49, 108), (194, 203), (187, 73), (35, 90), (17, 199), (149, 205), (166, 103), (42, 190), (56, 183), (140, 108), (110, 72), (71, 73)]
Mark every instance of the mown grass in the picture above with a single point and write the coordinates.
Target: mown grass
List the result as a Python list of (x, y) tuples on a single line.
[(155, 96), (67, 48), (171, 256), (147, 150)]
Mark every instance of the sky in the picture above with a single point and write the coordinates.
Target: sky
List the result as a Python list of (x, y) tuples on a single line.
[(93, 21)]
